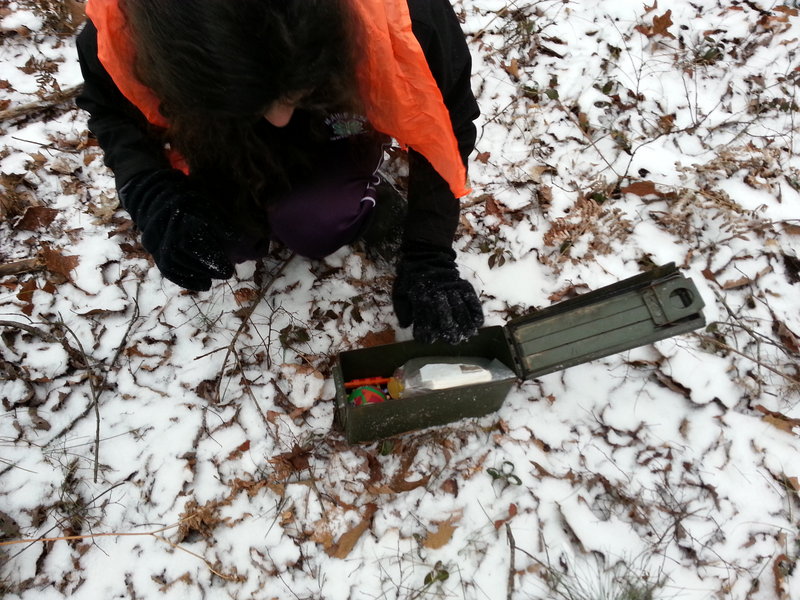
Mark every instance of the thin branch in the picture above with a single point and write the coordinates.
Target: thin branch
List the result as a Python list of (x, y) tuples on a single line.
[(250, 393), (45, 103), (133, 320), (725, 346), (40, 333), (155, 534), (205, 560), (94, 393), (246, 321), (511, 560), (18, 267)]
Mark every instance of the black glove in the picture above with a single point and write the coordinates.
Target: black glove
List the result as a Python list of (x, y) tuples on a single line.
[(178, 228), (429, 293)]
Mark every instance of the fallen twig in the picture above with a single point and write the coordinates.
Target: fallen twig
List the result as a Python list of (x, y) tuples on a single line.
[(246, 320), (511, 559), (725, 346), (94, 392), (18, 267), (41, 334), (50, 101)]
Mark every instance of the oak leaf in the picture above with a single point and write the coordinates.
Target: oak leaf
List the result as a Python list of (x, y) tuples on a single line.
[(788, 337), (778, 420), (349, 539), (642, 189), (244, 295), (57, 263), (512, 68), (293, 461), (25, 295), (239, 450), (443, 534), (377, 338), (36, 217), (661, 24)]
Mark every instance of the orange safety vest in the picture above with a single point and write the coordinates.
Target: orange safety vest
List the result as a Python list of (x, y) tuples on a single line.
[(400, 94)]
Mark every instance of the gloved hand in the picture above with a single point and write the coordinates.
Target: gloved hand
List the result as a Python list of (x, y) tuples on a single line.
[(429, 293), (178, 228)]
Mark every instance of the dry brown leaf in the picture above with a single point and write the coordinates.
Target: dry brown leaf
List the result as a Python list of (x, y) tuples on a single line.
[(77, 11), (569, 291), (379, 490), (293, 461), (200, 519), (36, 217), (63, 165), (206, 389), (239, 450), (512, 512), (244, 295), (709, 274), (493, 208), (537, 171), (55, 262), (660, 26), (377, 338), (781, 568), (399, 484), (38, 421), (648, 9), (666, 122), (669, 383), (783, 424), (321, 534), (439, 538), (512, 68), (642, 189), (450, 486), (375, 468), (251, 487), (787, 337), (466, 225), (662, 23), (483, 157), (777, 419), (349, 539), (25, 295), (303, 369), (787, 10), (743, 281)]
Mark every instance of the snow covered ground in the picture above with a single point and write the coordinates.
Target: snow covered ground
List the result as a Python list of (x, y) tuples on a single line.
[(192, 434)]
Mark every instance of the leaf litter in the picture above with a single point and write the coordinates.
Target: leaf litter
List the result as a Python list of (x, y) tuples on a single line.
[(613, 137)]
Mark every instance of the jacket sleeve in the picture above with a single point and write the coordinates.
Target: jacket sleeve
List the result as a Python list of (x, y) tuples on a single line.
[(433, 210), (120, 128)]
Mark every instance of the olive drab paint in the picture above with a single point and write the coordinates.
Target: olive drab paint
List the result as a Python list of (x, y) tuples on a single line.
[(643, 309)]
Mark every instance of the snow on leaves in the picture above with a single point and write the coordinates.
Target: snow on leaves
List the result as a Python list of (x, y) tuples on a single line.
[(609, 140)]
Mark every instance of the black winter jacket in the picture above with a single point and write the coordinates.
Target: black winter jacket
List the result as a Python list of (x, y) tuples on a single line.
[(122, 130)]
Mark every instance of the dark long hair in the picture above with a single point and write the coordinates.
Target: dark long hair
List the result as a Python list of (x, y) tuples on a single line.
[(216, 65)]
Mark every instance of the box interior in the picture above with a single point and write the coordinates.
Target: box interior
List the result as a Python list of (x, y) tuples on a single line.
[(374, 421)]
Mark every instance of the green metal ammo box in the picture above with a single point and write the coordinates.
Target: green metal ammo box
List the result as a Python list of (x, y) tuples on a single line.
[(640, 310)]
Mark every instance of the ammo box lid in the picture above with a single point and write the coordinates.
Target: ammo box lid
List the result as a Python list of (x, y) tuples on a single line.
[(640, 310)]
